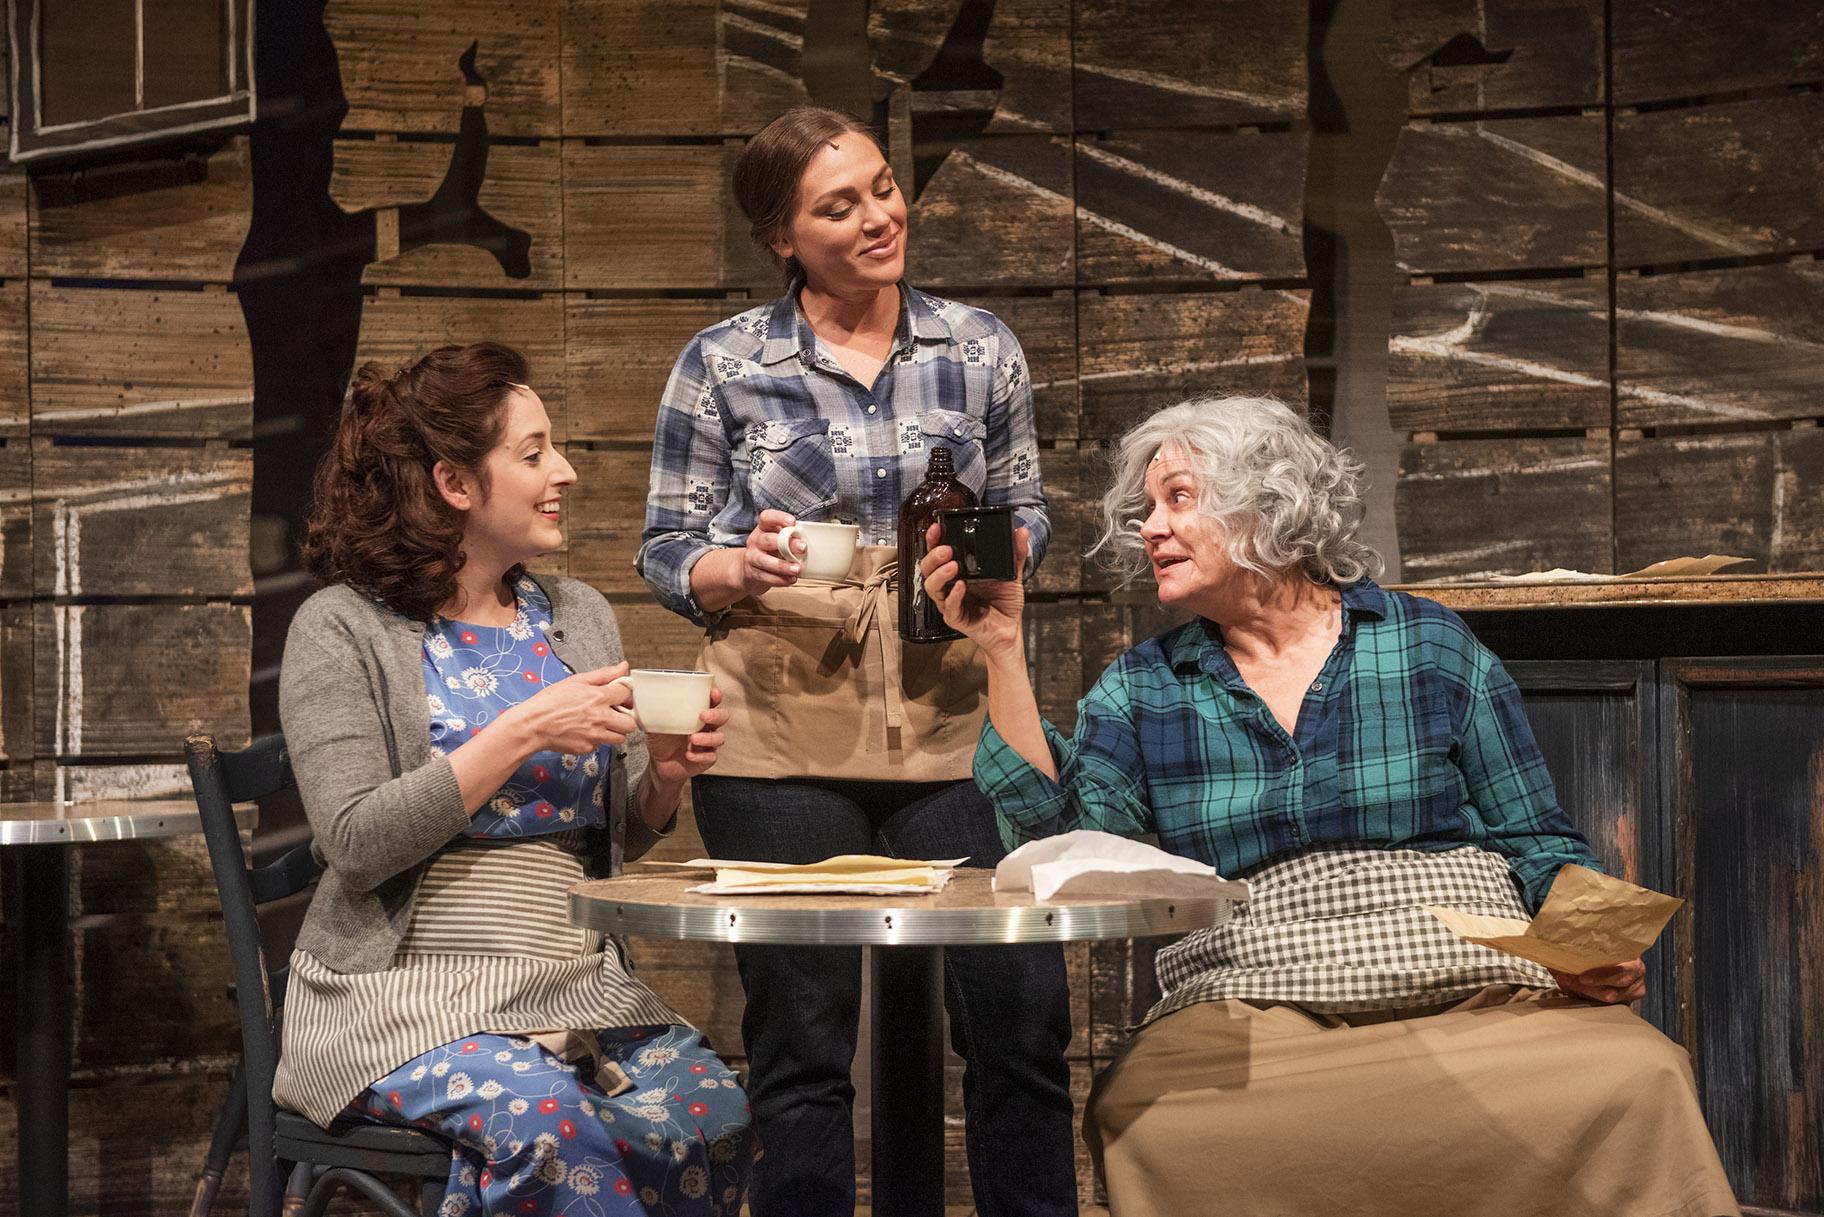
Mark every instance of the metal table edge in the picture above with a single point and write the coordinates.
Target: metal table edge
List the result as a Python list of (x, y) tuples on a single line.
[(897, 925)]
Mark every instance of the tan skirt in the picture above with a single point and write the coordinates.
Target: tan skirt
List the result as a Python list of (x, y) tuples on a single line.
[(1511, 1103)]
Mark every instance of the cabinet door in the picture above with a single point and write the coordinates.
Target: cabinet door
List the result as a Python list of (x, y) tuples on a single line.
[(1596, 723), (1745, 790)]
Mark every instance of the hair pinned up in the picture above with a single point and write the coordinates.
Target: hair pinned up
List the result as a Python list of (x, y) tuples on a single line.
[(377, 521), (771, 166)]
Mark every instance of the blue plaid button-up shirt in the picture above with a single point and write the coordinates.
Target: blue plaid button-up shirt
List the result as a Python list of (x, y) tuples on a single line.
[(757, 414), (1411, 737)]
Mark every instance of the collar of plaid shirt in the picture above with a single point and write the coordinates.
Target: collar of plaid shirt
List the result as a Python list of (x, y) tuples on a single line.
[(1203, 649), (789, 336)]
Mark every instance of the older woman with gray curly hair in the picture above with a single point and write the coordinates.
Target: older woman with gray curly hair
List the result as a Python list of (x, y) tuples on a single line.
[(1358, 756)]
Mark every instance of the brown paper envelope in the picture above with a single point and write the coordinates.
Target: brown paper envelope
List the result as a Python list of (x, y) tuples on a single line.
[(1589, 920)]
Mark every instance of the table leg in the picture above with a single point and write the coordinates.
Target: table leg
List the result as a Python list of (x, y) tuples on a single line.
[(41, 1089), (908, 1063)]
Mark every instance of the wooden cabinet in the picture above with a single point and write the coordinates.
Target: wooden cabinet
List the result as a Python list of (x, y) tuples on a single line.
[(1705, 778)]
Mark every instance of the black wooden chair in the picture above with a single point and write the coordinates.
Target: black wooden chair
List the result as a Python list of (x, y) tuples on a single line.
[(292, 1164)]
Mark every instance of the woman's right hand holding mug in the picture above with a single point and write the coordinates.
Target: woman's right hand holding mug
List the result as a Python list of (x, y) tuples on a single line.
[(577, 715), (765, 566), (989, 611)]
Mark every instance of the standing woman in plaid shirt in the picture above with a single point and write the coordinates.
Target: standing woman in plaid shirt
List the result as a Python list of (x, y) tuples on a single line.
[(825, 405), (1357, 755)]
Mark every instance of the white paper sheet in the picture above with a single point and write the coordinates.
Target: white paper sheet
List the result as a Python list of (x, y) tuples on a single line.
[(1090, 863)]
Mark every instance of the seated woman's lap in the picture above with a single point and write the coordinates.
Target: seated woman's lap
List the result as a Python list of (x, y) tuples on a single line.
[(1510, 1096), (534, 1138)]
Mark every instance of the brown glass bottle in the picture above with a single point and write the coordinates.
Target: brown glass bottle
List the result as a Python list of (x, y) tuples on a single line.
[(919, 620)]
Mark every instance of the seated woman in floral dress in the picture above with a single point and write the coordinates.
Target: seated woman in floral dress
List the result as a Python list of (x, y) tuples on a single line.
[(464, 758)]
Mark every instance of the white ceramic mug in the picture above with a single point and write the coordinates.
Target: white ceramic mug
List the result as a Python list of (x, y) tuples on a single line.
[(829, 549), (668, 701)]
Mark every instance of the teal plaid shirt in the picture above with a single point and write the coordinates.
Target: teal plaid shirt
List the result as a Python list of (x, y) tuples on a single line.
[(1412, 736)]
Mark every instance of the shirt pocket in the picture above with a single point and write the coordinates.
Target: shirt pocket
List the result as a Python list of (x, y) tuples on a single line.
[(790, 466), (963, 434)]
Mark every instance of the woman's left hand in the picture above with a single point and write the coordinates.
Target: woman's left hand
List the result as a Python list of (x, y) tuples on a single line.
[(675, 759), (1615, 986)]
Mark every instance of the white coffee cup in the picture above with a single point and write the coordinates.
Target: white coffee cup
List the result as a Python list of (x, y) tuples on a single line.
[(668, 701), (829, 549)]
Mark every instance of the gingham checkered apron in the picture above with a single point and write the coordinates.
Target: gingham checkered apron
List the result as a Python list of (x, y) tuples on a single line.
[(1335, 929)]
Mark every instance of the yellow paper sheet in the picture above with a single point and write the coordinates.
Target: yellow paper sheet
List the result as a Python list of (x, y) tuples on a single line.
[(1589, 920), (905, 876), (841, 864)]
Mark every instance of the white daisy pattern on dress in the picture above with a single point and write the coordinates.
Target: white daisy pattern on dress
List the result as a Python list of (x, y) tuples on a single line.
[(474, 672)]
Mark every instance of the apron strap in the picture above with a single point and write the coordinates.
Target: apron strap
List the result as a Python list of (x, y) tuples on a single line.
[(872, 614)]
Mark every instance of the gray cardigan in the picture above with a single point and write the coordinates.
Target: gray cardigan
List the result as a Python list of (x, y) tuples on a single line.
[(381, 803)]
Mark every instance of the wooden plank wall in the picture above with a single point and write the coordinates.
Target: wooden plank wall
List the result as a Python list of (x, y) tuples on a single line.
[(1605, 350), (125, 410), (1121, 180)]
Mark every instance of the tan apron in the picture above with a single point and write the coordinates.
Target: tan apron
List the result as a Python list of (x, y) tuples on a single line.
[(817, 684)]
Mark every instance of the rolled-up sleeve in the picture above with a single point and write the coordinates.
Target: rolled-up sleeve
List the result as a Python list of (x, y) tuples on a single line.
[(1012, 447), (689, 485), (1101, 779)]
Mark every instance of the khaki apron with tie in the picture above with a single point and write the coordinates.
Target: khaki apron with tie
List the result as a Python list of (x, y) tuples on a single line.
[(818, 684)]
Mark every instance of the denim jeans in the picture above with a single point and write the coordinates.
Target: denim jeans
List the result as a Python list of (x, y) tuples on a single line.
[(1009, 1006)]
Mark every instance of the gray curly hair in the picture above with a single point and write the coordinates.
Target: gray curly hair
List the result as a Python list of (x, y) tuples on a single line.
[(1285, 497)]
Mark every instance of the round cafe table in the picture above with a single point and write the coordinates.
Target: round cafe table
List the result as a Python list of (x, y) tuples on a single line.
[(37, 837), (909, 934)]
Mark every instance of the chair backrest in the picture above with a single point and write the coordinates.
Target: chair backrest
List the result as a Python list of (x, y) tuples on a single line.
[(220, 780)]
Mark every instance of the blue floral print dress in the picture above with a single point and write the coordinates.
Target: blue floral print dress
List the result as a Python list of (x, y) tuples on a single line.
[(491, 971)]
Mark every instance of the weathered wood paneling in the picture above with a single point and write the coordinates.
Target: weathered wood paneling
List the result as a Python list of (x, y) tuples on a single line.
[(1190, 205), (1503, 506), (680, 67), (15, 402), (1072, 499), (1689, 48), (1462, 56), (15, 519), (171, 220), (1163, 63), (13, 213), (700, 982), (654, 636), (396, 330), (1141, 353), (175, 363), (1744, 343), (1597, 725), (153, 988), (998, 212), (1046, 327), (142, 521), (16, 666), (522, 189), (399, 63), (131, 679), (1750, 803), (656, 218), (1019, 80), (618, 356), (1714, 181), (1521, 356), (1755, 495), (607, 513), (135, 1147), (1497, 194)]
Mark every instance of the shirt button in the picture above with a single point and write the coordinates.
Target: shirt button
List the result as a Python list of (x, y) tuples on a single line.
[(1317, 686), (870, 409), (880, 473)]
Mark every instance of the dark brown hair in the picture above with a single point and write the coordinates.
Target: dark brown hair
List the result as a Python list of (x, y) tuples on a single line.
[(770, 167), (377, 521)]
